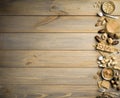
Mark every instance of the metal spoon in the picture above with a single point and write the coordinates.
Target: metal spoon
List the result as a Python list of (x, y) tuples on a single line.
[(101, 14)]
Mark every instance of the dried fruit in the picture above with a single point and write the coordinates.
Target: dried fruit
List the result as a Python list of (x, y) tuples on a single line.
[(98, 39), (115, 42), (110, 35), (101, 31)]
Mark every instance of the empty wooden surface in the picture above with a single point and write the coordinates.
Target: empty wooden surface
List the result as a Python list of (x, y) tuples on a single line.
[(48, 24), (47, 48)]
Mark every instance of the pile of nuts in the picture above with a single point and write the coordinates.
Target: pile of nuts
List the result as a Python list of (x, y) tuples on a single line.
[(106, 40)]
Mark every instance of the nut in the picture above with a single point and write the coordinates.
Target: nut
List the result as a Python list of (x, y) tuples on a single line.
[(103, 61), (114, 63), (100, 58), (109, 40), (113, 58), (104, 36), (98, 24), (103, 22)]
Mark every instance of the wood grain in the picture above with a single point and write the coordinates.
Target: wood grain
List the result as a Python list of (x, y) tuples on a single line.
[(48, 59), (47, 91), (47, 41), (48, 24), (52, 7), (81, 76)]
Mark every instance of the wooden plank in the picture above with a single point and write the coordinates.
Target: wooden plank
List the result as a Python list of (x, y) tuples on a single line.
[(52, 7), (51, 59), (47, 91), (47, 41), (82, 76), (48, 59), (48, 24)]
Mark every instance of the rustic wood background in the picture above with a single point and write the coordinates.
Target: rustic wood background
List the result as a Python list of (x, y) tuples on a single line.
[(46, 48)]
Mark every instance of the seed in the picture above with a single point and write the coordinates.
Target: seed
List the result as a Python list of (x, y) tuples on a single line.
[(115, 42), (98, 39), (101, 31)]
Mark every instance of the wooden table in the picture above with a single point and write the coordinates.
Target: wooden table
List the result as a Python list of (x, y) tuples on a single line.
[(46, 48)]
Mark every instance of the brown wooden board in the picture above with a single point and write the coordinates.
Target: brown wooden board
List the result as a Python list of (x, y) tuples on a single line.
[(47, 91), (48, 59), (82, 76), (53, 7), (48, 24), (47, 41)]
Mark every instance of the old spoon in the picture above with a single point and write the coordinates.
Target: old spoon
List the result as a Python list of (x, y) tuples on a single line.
[(101, 14)]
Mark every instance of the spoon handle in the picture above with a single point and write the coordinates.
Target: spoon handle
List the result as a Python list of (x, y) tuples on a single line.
[(111, 16)]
